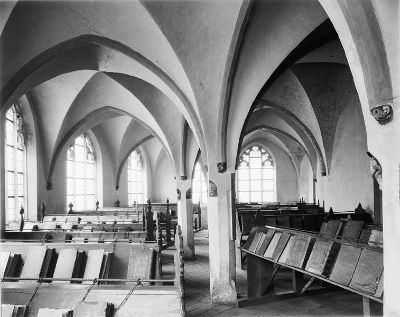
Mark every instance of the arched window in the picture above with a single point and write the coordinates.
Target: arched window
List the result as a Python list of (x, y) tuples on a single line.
[(135, 178), (81, 174), (256, 176), (199, 185), (14, 163)]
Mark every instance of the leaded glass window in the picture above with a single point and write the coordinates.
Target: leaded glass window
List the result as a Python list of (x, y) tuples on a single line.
[(199, 185), (81, 174), (256, 176), (14, 163), (135, 178)]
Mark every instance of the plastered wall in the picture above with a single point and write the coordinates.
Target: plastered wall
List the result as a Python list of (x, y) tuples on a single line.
[(349, 181), (164, 185)]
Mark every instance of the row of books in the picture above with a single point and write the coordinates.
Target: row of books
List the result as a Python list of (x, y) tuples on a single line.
[(42, 262), (352, 230), (351, 265)]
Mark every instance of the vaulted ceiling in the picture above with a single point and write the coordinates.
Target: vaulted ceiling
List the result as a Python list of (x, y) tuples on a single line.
[(217, 70)]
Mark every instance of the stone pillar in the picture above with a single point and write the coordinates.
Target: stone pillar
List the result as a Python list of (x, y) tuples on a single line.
[(185, 216), (383, 143), (391, 233), (221, 238)]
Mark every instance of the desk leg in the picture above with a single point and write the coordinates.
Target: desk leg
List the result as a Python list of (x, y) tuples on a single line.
[(366, 307), (297, 282), (259, 276)]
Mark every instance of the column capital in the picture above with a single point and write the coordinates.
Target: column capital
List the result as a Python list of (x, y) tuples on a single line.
[(221, 167), (383, 112)]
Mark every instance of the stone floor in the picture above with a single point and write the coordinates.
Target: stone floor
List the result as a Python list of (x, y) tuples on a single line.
[(197, 297)]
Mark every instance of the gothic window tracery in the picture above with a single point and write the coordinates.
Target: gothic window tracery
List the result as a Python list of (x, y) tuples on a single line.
[(81, 174), (135, 178), (199, 185), (256, 176), (14, 163)]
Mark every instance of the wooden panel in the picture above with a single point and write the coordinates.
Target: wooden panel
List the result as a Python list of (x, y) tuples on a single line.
[(95, 309), (285, 254), (322, 256), (65, 264), (93, 264), (281, 245), (33, 262), (263, 244), (296, 222), (299, 251), (255, 241), (49, 263), (141, 263), (13, 265), (47, 312), (283, 221), (271, 247), (352, 230), (259, 275), (4, 257), (368, 271), (7, 310), (106, 265), (80, 264), (14, 235), (144, 302), (331, 228), (379, 289), (345, 264), (365, 234), (246, 222)]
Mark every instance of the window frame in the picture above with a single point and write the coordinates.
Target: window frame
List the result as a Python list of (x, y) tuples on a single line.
[(202, 193), (18, 166), (263, 175), (88, 149), (133, 195)]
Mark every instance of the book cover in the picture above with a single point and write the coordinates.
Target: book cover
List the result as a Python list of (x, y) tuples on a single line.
[(255, 241), (352, 230), (368, 271), (281, 245), (93, 264), (364, 236), (272, 245), (330, 228), (300, 251), (33, 262), (345, 264), (288, 248), (322, 256), (263, 245), (141, 264), (65, 264)]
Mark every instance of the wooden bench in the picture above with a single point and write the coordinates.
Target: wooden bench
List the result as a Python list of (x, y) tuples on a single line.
[(353, 266), (133, 285)]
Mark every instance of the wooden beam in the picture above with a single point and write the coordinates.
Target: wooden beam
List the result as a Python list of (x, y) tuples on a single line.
[(366, 307), (310, 281)]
